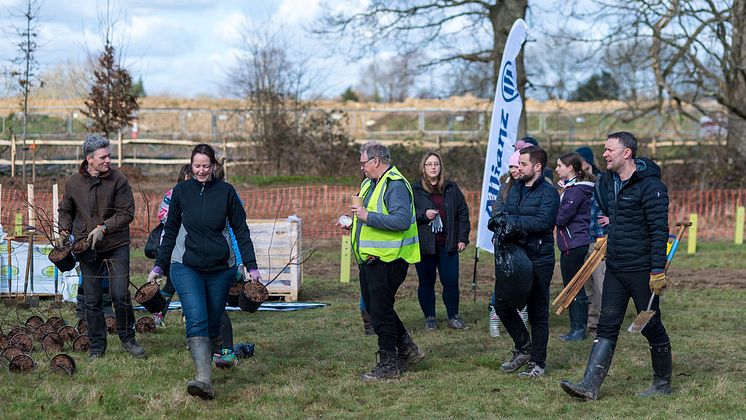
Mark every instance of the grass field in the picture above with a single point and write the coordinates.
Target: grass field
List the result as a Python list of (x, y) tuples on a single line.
[(307, 364)]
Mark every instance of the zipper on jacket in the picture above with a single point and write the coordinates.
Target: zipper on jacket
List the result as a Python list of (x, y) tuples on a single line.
[(204, 236)]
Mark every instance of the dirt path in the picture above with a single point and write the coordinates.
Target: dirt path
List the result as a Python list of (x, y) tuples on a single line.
[(717, 277)]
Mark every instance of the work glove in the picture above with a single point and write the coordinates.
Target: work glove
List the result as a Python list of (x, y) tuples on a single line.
[(658, 282), (155, 274), (254, 275), (436, 225), (96, 235)]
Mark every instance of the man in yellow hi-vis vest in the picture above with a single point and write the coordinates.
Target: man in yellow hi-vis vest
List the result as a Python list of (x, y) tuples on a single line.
[(384, 241)]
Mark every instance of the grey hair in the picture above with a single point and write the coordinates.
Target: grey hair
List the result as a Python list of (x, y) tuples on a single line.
[(374, 149), (93, 143)]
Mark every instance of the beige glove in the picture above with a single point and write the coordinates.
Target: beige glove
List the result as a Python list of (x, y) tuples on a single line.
[(658, 282), (96, 235)]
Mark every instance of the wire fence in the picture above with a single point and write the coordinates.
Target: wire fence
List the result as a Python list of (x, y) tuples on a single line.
[(319, 207)]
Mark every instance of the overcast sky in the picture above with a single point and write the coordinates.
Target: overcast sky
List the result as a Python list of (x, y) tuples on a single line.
[(178, 47)]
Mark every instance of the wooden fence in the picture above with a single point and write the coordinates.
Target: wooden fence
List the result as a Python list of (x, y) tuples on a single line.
[(319, 206)]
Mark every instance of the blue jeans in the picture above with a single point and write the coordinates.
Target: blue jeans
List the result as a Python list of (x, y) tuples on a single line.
[(446, 263), (203, 295)]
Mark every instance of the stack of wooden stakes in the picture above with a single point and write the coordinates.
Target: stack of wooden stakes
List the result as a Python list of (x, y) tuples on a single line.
[(565, 297)]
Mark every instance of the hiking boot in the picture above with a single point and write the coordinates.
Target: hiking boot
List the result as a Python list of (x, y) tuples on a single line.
[(94, 355), (133, 348), (409, 353), (532, 371), (457, 323), (519, 359), (386, 368), (431, 324), (595, 372), (662, 368)]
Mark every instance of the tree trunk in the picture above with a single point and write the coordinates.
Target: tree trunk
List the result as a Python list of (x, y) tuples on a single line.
[(502, 16), (734, 89)]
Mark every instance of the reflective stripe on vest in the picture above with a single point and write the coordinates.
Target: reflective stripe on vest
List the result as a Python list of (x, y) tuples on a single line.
[(384, 244)]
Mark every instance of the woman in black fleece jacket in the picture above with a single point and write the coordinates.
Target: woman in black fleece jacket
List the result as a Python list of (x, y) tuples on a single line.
[(197, 244)]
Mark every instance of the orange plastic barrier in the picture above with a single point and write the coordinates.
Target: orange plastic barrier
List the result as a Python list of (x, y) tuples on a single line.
[(319, 206)]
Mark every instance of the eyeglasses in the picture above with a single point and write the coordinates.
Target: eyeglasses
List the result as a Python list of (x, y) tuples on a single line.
[(362, 164), (432, 164)]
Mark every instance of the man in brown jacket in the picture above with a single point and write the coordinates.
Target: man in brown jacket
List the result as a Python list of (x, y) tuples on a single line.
[(98, 205)]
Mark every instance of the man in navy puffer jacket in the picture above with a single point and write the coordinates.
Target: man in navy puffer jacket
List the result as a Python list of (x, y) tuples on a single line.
[(636, 201), (532, 205)]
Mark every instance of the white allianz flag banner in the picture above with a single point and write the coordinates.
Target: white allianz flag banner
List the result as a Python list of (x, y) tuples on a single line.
[(506, 112)]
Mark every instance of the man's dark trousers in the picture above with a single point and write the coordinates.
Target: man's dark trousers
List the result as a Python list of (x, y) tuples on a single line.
[(618, 288), (538, 316), (113, 264), (379, 282)]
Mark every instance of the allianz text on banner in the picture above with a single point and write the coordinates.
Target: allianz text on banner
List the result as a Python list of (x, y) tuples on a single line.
[(506, 113)]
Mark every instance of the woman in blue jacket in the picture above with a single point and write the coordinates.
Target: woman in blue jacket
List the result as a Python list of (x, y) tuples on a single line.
[(573, 234), (443, 230), (197, 244)]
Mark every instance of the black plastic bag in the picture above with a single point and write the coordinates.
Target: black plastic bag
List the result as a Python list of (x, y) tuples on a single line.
[(154, 241), (513, 269)]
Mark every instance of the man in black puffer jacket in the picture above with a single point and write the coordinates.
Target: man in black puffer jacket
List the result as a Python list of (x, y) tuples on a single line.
[(532, 205), (636, 201)]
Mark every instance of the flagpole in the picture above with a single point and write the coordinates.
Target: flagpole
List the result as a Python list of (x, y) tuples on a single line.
[(474, 277)]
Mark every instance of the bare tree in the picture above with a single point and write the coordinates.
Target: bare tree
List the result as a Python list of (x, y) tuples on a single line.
[(695, 48), (457, 33), (389, 80), (111, 104), (273, 79), (26, 70)]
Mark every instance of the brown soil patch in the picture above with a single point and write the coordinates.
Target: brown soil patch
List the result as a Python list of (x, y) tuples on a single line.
[(43, 330), (80, 246), (710, 278), (82, 326), (111, 324), (59, 253), (11, 352), (256, 292)]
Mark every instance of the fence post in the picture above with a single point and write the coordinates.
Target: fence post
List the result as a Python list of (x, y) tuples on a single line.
[(119, 148), (738, 237), (691, 245), (344, 262), (13, 156)]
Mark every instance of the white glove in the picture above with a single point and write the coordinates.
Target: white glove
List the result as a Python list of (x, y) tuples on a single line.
[(96, 235), (254, 275), (155, 274)]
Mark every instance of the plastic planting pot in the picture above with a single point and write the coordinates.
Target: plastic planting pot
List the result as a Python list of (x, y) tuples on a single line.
[(82, 251), (82, 343), (62, 363), (82, 326), (52, 343), (145, 324), (149, 295), (56, 322), (21, 363), (62, 258), (68, 333), (111, 324), (23, 342), (10, 352), (34, 321), (234, 293), (254, 294)]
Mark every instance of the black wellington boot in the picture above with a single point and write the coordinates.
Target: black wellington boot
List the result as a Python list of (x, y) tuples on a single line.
[(662, 368), (595, 373), (578, 321)]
